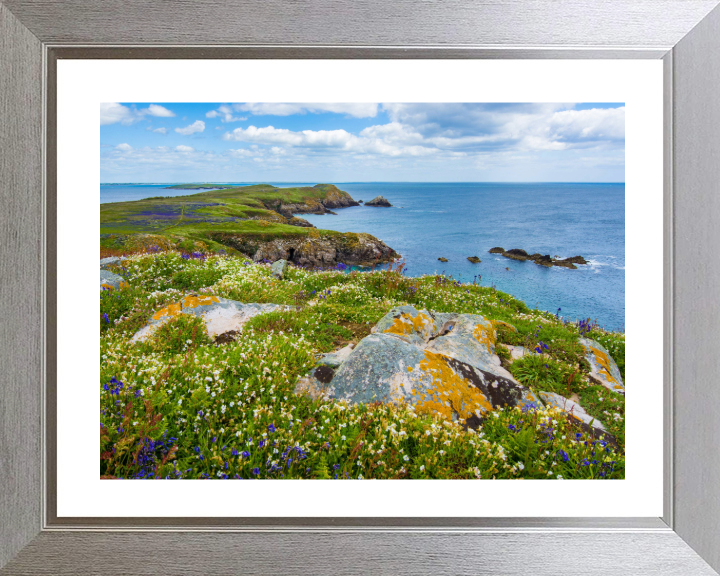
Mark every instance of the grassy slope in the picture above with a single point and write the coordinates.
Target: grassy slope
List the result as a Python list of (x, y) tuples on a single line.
[(190, 409), (196, 215)]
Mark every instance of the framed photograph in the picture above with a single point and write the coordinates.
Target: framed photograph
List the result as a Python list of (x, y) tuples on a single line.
[(378, 290)]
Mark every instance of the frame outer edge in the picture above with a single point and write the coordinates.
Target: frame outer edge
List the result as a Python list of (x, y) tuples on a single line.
[(21, 283), (696, 174)]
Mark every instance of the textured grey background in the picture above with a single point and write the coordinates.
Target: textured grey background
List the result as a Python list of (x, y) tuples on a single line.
[(531, 28)]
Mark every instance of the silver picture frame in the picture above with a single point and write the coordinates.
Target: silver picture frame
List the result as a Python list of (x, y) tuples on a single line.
[(685, 34)]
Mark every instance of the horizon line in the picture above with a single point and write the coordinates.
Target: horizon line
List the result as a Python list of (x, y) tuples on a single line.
[(383, 182)]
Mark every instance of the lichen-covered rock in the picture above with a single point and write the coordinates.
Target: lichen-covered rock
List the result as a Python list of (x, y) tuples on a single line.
[(111, 281), (439, 363), (603, 369), (409, 324), (571, 408), (335, 359), (278, 268), (220, 315), (110, 261)]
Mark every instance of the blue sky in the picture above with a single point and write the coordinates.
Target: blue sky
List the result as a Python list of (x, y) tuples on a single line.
[(361, 142)]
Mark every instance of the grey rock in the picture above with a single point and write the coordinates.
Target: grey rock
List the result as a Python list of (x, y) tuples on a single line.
[(220, 314), (603, 369), (110, 280), (439, 363), (278, 268)]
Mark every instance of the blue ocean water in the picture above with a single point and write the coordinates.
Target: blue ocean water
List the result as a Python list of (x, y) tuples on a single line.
[(457, 220)]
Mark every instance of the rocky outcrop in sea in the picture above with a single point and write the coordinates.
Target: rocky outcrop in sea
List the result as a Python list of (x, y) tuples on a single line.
[(379, 201), (541, 259)]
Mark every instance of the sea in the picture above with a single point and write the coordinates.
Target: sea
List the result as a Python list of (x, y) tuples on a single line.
[(457, 220)]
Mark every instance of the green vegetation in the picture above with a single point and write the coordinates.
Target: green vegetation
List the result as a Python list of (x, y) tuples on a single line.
[(234, 218), (182, 406)]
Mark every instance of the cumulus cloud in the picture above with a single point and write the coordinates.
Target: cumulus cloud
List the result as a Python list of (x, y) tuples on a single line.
[(356, 110), (157, 110), (183, 148), (112, 112), (225, 113), (160, 130), (124, 147), (197, 126)]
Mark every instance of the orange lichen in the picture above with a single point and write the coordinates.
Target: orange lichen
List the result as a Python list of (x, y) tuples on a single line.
[(603, 364), (409, 368), (195, 301), (170, 310), (108, 286), (404, 325), (449, 393), (485, 335)]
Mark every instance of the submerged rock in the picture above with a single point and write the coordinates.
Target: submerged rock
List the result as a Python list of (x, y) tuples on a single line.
[(439, 363), (221, 315), (603, 369), (379, 201), (111, 281)]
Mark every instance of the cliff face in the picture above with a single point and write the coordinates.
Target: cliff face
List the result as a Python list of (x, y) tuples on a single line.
[(329, 250), (334, 198)]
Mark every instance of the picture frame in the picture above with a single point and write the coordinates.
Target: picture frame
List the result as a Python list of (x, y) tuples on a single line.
[(685, 34)]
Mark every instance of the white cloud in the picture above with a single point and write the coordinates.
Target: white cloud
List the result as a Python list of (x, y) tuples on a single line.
[(197, 126), (225, 113), (157, 110), (112, 112), (160, 130), (357, 110), (183, 148), (124, 147), (369, 141)]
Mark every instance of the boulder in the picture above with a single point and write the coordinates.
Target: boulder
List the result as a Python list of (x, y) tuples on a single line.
[(517, 351), (442, 259), (439, 363), (603, 369), (220, 315), (379, 201), (474, 259), (496, 250), (571, 408), (278, 268), (111, 281), (111, 261), (335, 359)]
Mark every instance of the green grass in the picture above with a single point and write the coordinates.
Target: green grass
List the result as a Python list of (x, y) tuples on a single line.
[(232, 217), (180, 406)]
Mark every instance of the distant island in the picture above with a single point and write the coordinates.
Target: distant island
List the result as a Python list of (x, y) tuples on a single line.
[(198, 187)]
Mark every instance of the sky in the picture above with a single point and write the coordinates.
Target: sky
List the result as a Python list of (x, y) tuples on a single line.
[(361, 142)]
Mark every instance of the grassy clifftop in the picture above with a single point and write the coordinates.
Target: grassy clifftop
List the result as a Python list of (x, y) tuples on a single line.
[(261, 212)]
